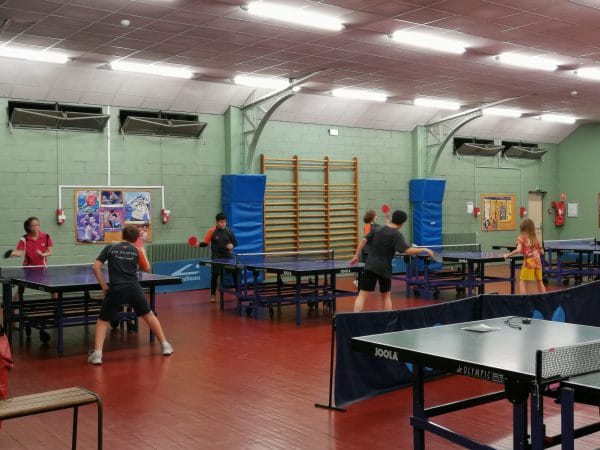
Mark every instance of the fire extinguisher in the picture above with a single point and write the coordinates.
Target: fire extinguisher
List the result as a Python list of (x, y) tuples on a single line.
[(559, 213), (165, 215), (60, 216)]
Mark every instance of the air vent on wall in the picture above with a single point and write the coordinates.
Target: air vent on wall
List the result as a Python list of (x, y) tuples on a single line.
[(56, 116), (160, 123), (522, 150), (475, 147)]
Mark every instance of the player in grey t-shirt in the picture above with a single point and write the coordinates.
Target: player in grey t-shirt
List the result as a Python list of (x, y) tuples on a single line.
[(384, 242), (123, 261)]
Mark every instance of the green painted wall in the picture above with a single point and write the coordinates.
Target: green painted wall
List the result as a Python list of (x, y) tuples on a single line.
[(35, 162), (578, 175), (467, 177), (384, 157)]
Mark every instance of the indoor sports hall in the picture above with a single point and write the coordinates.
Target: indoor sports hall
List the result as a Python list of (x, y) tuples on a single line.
[(212, 169)]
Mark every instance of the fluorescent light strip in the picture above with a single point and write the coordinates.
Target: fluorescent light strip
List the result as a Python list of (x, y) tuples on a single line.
[(359, 94), (34, 55), (263, 82), (502, 112), (589, 73), (558, 118), (435, 103), (152, 69), (294, 15), (528, 61), (426, 40)]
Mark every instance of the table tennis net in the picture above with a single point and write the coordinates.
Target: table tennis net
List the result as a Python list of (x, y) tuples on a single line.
[(564, 362), (274, 257), (453, 247)]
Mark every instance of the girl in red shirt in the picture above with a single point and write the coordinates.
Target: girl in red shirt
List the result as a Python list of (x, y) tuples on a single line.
[(36, 245)]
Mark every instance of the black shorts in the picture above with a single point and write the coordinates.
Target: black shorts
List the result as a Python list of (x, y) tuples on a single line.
[(369, 279), (118, 296)]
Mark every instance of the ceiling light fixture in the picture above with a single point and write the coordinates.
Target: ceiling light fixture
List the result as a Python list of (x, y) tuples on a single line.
[(590, 3), (502, 112), (34, 55), (293, 15), (425, 40), (528, 61), (152, 69), (264, 82), (436, 103), (558, 118), (589, 73), (359, 94)]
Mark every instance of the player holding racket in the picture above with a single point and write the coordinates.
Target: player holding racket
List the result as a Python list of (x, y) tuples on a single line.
[(370, 224), (222, 241), (35, 244), (384, 243), (123, 259)]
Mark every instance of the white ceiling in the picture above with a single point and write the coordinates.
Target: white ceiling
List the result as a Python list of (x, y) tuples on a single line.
[(218, 40)]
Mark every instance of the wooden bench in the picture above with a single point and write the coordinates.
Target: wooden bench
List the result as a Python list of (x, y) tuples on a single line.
[(44, 402)]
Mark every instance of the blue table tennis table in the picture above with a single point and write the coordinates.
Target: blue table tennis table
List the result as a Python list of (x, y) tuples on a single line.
[(310, 281), (426, 276), (568, 258), (76, 309), (528, 358)]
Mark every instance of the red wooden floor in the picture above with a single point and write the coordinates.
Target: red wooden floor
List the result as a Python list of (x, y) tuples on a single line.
[(233, 383)]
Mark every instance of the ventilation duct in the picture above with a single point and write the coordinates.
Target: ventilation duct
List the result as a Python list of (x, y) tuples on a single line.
[(159, 123), (517, 151), (473, 149), (56, 116)]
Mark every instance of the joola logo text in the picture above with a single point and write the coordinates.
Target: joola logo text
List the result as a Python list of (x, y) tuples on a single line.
[(385, 353)]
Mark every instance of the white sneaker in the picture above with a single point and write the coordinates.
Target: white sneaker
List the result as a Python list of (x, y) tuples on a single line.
[(167, 349), (95, 357), (355, 282), (212, 299)]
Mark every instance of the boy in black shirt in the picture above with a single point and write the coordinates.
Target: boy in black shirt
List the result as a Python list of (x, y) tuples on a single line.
[(222, 241), (123, 261), (384, 243)]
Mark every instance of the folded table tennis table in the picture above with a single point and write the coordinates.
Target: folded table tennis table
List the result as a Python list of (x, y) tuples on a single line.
[(61, 311)]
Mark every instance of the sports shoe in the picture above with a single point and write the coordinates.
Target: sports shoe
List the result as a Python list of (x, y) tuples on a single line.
[(95, 357), (355, 283), (212, 299), (167, 349)]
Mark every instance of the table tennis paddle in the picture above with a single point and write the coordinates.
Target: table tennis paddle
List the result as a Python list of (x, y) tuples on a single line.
[(385, 208), (8, 253), (193, 241)]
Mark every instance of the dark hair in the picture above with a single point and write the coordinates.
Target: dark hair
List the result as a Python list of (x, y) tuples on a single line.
[(369, 216), (27, 223), (131, 233), (221, 216), (399, 217)]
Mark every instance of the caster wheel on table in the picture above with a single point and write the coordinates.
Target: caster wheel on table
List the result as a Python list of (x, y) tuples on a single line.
[(44, 337)]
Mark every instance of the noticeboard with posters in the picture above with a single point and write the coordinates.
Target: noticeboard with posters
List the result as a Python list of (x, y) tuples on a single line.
[(102, 213), (498, 212)]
